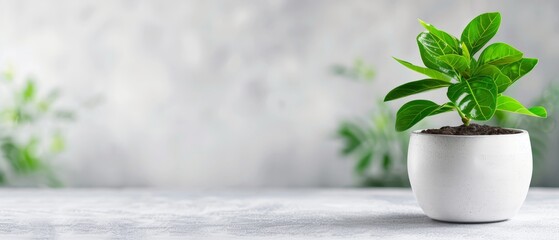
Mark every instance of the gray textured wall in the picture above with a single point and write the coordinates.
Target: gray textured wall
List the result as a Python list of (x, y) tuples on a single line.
[(234, 93)]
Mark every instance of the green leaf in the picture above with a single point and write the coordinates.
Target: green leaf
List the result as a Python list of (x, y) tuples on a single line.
[(414, 88), (509, 104), (448, 39), (500, 79), (499, 54), (465, 51), (28, 92), (57, 143), (480, 30), (457, 62), (30, 160), (349, 132), (364, 162), (427, 71), (430, 48), (431, 62), (21, 158), (386, 162), (518, 69), (477, 97), (414, 111)]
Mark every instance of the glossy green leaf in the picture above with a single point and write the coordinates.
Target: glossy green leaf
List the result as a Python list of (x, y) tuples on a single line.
[(414, 88), (509, 104), (480, 30), (465, 51), (518, 69), (457, 62), (430, 48), (499, 54), (448, 39), (413, 112), (432, 62), (500, 79), (427, 71), (477, 97)]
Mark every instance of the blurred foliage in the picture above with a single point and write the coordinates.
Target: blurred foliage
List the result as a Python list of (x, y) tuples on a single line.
[(379, 152), (358, 71), (30, 135), (541, 130)]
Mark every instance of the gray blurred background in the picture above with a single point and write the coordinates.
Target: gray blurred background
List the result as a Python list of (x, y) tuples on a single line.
[(230, 93)]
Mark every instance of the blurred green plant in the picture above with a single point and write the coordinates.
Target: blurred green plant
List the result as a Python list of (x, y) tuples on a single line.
[(541, 130), (358, 71), (379, 152), (30, 135)]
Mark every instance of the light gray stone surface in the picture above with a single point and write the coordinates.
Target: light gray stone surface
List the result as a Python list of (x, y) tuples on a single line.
[(254, 214)]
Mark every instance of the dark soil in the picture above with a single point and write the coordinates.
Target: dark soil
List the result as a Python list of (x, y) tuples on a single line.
[(472, 129)]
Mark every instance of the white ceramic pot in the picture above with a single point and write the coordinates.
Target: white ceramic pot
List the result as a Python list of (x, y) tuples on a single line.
[(483, 178)]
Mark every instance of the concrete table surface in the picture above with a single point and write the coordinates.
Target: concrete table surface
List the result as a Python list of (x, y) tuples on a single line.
[(252, 214)]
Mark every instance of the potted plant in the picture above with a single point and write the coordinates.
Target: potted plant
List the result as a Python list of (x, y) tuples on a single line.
[(468, 173)]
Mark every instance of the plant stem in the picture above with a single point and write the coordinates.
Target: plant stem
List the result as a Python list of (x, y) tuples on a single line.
[(465, 119)]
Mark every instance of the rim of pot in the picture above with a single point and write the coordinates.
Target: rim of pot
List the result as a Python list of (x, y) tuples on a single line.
[(522, 132)]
